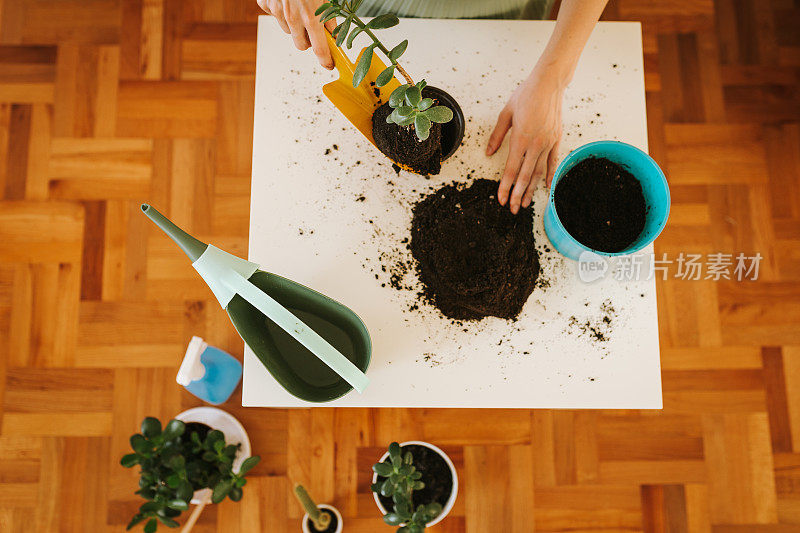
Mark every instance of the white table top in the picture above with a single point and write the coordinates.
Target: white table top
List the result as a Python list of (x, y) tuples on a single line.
[(308, 224)]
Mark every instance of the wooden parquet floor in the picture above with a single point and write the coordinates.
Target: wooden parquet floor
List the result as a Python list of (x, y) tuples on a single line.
[(104, 103)]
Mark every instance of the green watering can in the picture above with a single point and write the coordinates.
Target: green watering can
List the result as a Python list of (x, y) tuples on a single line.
[(315, 347)]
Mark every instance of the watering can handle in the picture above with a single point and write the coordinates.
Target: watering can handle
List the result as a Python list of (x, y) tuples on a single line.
[(296, 328), (343, 64)]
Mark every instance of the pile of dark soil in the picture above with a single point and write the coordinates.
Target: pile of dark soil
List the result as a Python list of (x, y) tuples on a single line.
[(435, 474), (601, 205), (474, 258), (400, 143)]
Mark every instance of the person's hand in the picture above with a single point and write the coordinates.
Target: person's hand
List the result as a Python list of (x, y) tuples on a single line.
[(533, 113), (296, 17)]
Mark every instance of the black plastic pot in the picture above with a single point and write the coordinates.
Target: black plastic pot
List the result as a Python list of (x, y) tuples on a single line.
[(453, 131)]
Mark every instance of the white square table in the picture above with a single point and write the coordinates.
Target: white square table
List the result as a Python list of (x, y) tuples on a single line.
[(328, 210)]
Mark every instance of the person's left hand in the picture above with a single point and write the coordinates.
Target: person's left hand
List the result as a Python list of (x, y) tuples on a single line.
[(533, 113)]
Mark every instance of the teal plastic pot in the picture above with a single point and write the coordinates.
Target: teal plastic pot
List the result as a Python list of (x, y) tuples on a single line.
[(643, 168)]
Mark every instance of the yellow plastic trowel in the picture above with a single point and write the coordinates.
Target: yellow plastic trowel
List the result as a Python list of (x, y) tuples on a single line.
[(357, 103)]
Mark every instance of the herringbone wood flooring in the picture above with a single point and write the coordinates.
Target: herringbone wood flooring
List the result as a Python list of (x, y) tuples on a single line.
[(104, 103)]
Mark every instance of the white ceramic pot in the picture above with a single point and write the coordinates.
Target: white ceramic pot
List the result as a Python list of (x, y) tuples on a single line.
[(450, 501), (230, 427), (330, 508)]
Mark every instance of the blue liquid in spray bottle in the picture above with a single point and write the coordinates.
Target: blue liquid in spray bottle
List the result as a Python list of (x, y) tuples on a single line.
[(208, 372)]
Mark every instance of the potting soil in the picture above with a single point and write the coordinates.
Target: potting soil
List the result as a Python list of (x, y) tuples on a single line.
[(474, 258), (601, 204)]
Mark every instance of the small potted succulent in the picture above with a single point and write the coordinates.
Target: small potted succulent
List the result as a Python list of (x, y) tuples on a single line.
[(321, 518), (181, 462), (414, 485), (419, 125)]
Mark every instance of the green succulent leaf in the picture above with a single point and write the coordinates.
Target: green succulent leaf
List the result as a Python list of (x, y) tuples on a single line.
[(149, 507), (174, 481), (385, 76), (375, 487), (248, 464), (235, 494), (433, 510), (422, 125), (416, 475), (405, 469), (329, 14), (353, 35), (425, 103), (387, 488), (419, 485), (397, 51), (398, 95), (184, 491), (387, 20), (129, 459), (403, 111), (221, 490), (382, 469), (178, 505), (406, 121), (137, 518), (322, 8), (415, 528), (177, 462), (363, 65), (167, 521), (440, 114), (151, 526), (174, 429), (393, 519), (240, 482), (343, 28), (413, 97), (139, 443), (422, 84), (213, 436), (151, 427), (402, 508)]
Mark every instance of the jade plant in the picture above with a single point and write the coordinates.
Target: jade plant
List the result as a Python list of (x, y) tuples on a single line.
[(320, 520), (409, 108), (174, 464), (401, 480)]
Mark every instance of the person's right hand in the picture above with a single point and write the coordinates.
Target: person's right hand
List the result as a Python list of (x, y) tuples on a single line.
[(297, 18)]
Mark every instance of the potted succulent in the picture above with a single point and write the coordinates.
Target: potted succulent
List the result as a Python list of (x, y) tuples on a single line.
[(415, 128), (321, 518), (183, 461), (414, 485)]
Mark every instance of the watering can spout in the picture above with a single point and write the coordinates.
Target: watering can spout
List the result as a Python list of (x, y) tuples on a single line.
[(190, 246)]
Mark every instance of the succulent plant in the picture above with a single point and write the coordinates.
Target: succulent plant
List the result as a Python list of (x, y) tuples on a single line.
[(410, 109), (401, 480), (320, 520), (173, 465)]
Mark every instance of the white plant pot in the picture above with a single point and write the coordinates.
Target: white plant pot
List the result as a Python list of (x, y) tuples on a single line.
[(230, 427), (330, 508), (450, 501)]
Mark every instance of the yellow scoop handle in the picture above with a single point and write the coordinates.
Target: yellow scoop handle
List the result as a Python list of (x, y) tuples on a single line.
[(356, 103)]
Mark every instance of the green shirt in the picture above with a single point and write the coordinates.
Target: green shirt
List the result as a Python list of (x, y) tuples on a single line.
[(495, 9)]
